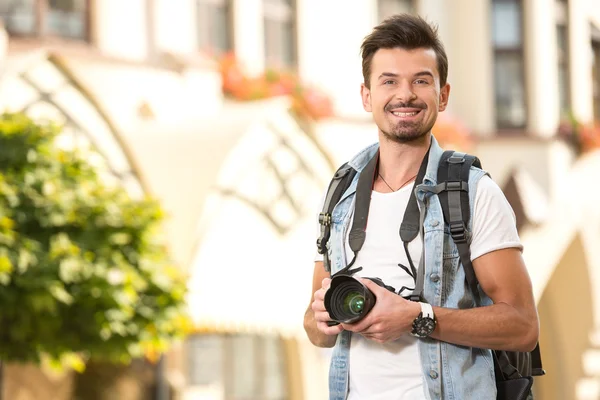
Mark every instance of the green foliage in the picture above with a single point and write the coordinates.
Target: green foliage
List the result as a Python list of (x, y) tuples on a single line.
[(82, 269)]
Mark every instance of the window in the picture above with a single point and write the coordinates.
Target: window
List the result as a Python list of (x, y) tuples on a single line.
[(248, 367), (280, 33), (62, 18), (387, 8), (509, 80), (214, 21), (562, 37)]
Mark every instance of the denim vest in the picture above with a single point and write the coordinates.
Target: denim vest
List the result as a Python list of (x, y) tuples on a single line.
[(449, 371)]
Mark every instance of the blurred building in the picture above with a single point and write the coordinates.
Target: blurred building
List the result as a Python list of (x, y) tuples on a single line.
[(241, 181)]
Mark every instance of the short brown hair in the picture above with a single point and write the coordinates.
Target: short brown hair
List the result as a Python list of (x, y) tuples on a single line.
[(407, 32)]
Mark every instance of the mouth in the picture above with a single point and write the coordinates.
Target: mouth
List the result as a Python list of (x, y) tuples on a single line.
[(406, 114)]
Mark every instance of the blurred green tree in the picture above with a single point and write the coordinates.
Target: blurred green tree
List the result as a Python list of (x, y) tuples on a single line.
[(83, 272)]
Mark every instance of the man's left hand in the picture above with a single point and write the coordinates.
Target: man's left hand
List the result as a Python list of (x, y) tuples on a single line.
[(390, 318)]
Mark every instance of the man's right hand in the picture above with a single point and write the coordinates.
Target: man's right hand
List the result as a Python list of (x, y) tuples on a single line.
[(320, 313)]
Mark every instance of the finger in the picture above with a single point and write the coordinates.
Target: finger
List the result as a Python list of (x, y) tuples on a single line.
[(322, 316), (318, 302), (318, 308), (358, 327), (320, 294), (318, 305), (369, 336), (325, 283), (372, 329), (329, 330)]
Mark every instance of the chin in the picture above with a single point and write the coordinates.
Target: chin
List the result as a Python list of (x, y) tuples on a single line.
[(405, 136)]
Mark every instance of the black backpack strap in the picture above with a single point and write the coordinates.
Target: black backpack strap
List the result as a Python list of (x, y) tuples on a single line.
[(536, 362), (339, 183), (503, 369), (453, 173)]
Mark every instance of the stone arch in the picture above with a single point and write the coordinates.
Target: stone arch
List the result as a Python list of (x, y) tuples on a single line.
[(42, 86)]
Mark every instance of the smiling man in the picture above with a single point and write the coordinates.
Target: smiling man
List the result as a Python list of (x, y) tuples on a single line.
[(389, 354)]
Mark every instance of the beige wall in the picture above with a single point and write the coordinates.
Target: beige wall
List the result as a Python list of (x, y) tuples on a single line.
[(541, 67), (582, 99), (120, 28), (329, 49), (470, 64), (248, 34), (175, 23)]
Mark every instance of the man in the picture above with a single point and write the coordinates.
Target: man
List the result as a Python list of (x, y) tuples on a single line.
[(405, 69)]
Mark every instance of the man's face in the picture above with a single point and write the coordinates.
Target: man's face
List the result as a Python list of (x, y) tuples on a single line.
[(405, 95)]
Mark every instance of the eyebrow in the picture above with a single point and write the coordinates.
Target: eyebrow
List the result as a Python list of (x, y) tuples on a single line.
[(425, 73), (393, 75)]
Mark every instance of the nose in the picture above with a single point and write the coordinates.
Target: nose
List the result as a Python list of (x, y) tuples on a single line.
[(405, 93)]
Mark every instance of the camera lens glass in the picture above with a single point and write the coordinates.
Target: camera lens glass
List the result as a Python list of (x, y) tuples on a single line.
[(354, 303)]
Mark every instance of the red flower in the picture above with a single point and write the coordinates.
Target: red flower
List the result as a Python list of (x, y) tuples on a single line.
[(307, 102), (590, 137)]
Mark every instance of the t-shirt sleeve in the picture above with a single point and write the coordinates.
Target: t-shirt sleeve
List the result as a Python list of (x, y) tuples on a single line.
[(494, 222)]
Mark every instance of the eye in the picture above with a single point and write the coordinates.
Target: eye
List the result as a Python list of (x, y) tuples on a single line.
[(389, 82), (422, 82)]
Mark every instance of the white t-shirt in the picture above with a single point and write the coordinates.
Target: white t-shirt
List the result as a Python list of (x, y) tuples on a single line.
[(393, 370)]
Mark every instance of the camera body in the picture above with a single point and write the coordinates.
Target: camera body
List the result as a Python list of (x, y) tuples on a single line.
[(348, 300), (379, 282)]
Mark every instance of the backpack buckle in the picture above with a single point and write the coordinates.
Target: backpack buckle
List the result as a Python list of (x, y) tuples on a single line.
[(458, 231), (325, 219), (320, 248)]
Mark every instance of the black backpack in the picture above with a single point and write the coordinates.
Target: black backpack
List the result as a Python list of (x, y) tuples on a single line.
[(514, 371)]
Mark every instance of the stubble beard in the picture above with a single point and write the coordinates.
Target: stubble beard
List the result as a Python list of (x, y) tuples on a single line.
[(406, 132)]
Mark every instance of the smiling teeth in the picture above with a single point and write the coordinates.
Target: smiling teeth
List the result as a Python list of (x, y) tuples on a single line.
[(400, 114)]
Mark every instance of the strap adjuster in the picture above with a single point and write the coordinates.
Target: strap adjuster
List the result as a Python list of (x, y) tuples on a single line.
[(325, 219), (458, 231), (454, 185), (320, 248), (457, 158)]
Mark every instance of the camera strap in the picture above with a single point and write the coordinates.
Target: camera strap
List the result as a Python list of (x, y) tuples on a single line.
[(409, 229), (362, 202)]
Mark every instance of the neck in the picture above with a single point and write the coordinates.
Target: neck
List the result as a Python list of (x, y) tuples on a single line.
[(401, 161)]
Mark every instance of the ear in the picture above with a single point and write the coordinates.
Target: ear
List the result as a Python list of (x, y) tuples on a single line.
[(365, 93), (444, 96)]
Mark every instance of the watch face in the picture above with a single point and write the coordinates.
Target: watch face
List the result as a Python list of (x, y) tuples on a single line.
[(423, 327)]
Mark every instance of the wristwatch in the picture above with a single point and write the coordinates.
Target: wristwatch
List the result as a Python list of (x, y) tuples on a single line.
[(424, 324)]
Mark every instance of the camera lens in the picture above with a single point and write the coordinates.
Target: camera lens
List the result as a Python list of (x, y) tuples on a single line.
[(354, 303), (347, 299)]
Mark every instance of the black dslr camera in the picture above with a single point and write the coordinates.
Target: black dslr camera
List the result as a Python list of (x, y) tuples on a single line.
[(348, 300)]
